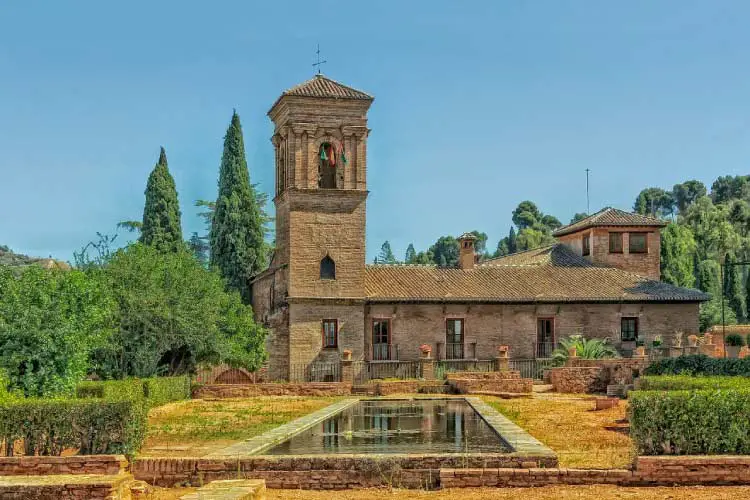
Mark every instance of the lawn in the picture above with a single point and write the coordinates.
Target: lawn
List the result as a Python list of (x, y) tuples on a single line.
[(198, 427), (569, 425)]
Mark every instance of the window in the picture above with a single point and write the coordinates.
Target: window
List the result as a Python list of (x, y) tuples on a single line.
[(381, 339), (545, 337), (327, 268), (629, 329), (330, 333), (454, 338), (327, 166), (585, 248), (615, 242), (638, 243)]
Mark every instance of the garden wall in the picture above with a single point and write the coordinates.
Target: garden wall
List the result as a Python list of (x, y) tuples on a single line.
[(508, 381), (578, 380), (220, 391), (78, 464), (66, 487)]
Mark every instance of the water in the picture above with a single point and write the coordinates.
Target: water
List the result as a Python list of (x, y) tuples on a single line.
[(397, 426)]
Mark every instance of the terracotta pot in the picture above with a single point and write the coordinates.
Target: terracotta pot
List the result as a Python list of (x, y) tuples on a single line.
[(572, 352), (692, 341), (502, 351), (346, 355), (640, 350)]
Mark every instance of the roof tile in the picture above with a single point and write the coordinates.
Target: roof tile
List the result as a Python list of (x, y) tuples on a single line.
[(610, 217)]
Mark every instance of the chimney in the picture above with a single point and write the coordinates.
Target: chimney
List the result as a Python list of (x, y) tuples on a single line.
[(466, 258)]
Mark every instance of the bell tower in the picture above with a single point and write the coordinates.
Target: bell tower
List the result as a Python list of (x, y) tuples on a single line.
[(320, 143)]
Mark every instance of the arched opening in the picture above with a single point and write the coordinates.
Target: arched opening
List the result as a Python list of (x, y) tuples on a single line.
[(281, 169), (327, 268), (327, 166)]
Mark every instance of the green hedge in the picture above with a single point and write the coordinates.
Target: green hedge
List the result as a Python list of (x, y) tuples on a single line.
[(156, 391), (94, 426), (690, 383), (690, 422), (699, 364)]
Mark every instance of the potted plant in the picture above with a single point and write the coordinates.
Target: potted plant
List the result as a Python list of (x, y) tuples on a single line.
[(502, 351), (656, 343), (692, 340), (346, 355), (734, 343), (426, 350), (640, 347)]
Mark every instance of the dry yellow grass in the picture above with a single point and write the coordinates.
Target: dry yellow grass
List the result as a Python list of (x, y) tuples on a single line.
[(569, 425), (546, 493), (197, 427)]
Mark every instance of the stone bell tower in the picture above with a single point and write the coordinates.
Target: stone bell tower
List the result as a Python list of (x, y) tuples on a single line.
[(320, 142)]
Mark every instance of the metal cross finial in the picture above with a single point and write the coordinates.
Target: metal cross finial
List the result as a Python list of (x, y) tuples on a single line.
[(317, 64)]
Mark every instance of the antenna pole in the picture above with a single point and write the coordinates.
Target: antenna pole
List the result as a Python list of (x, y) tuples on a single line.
[(588, 208)]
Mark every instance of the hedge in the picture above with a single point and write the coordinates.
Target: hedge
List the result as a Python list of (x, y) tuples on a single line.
[(700, 364), (156, 391), (688, 383), (690, 422), (93, 426)]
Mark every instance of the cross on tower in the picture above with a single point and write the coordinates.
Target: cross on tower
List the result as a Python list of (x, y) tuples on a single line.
[(317, 64)]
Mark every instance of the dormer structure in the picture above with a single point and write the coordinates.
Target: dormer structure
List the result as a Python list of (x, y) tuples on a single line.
[(615, 238)]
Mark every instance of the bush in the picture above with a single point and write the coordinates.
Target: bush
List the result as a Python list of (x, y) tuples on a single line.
[(700, 364), (585, 349), (163, 390), (690, 422), (734, 340), (689, 383), (93, 426)]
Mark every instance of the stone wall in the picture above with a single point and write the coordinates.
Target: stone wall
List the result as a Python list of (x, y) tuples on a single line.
[(508, 381), (222, 391), (66, 487), (77, 464), (616, 371), (578, 380), (408, 387)]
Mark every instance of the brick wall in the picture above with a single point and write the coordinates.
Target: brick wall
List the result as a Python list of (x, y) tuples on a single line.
[(221, 391), (66, 487), (579, 380), (78, 464)]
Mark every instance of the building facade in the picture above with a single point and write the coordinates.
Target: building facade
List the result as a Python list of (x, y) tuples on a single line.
[(319, 297)]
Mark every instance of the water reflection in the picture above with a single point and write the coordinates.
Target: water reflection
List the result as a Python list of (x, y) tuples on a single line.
[(406, 426)]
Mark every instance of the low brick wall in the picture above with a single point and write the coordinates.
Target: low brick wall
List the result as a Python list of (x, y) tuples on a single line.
[(703, 469), (578, 379), (66, 487), (77, 464), (499, 375), (508, 381), (409, 387), (221, 391), (324, 472), (616, 371)]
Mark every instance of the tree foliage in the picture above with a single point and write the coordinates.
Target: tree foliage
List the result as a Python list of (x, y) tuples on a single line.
[(161, 227), (678, 255), (445, 251), (386, 254), (585, 349), (411, 254), (50, 321), (238, 247), (733, 288), (655, 202), (685, 194)]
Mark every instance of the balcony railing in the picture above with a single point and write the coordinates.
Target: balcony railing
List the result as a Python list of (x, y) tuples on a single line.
[(544, 349), (384, 352), (450, 350)]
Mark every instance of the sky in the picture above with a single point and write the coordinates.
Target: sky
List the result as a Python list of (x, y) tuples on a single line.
[(479, 105)]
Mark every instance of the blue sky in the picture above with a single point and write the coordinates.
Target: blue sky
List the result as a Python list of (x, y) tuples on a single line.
[(478, 105)]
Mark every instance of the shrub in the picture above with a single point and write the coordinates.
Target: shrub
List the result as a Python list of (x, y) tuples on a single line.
[(163, 390), (690, 422), (93, 426), (734, 340), (699, 364), (585, 348), (690, 383)]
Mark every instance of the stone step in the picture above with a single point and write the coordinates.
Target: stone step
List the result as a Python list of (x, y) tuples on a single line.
[(66, 487), (231, 489), (542, 388)]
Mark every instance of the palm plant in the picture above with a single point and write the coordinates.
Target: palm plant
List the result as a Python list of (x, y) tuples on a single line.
[(585, 349)]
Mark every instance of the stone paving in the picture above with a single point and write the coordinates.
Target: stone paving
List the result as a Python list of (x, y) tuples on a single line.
[(230, 489)]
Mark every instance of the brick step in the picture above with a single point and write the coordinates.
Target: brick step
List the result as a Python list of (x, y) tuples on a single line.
[(230, 489), (542, 388), (66, 487)]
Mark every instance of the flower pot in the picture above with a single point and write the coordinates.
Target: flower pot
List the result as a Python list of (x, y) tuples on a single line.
[(692, 341), (640, 350), (733, 351), (502, 351), (346, 355)]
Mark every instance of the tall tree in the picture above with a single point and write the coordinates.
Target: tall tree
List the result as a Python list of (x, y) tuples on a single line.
[(445, 251), (512, 240), (709, 280), (386, 254), (578, 216), (480, 244), (655, 202), (526, 215), (411, 254), (733, 289), (728, 187), (709, 277), (677, 255), (685, 194), (238, 248), (161, 227)]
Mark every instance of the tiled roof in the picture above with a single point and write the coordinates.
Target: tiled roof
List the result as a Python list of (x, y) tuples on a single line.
[(610, 217), (550, 274), (322, 86)]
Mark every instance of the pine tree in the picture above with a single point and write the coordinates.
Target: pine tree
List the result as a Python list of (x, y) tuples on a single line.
[(411, 254), (238, 248), (512, 241), (161, 227), (386, 254), (733, 287)]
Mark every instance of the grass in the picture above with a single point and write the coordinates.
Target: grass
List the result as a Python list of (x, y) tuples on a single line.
[(568, 425), (597, 492), (197, 427)]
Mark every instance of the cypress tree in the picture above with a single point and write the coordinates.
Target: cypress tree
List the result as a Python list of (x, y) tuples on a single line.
[(161, 227), (411, 254), (733, 287), (512, 241), (237, 227)]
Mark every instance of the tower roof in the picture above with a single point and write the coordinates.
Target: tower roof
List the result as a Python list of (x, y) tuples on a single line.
[(321, 86), (610, 217)]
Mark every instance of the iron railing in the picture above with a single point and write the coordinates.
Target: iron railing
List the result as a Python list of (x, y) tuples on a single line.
[(393, 369), (530, 368), (384, 352), (544, 349), (448, 350), (315, 372)]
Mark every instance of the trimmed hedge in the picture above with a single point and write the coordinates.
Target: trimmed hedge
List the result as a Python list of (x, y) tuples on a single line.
[(155, 391), (700, 364), (93, 426), (690, 422), (690, 383)]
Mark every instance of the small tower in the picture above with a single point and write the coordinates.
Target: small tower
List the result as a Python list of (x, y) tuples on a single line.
[(466, 256)]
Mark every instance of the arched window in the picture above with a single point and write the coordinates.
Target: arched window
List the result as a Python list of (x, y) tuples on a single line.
[(327, 166), (281, 168), (327, 268)]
